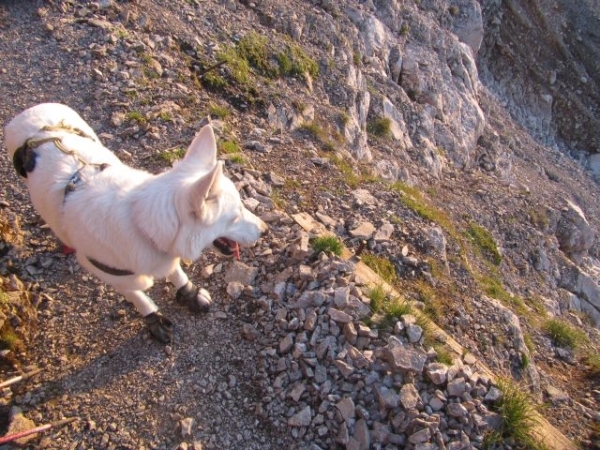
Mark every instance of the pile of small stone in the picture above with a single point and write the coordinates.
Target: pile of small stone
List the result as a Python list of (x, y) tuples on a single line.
[(333, 380)]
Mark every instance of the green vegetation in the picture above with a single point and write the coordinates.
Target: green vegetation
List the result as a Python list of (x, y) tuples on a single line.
[(228, 147), (378, 297), (539, 218), (434, 307), (254, 49), (294, 62), (484, 242), (217, 111), (319, 133), (171, 155), (239, 67), (166, 116), (136, 116), (237, 159), (257, 54), (327, 243), (518, 415), (344, 118), (315, 130), (444, 355), (351, 178), (9, 339), (382, 267), (232, 149), (380, 127), (453, 10), (356, 58), (213, 80), (563, 334), (386, 307), (592, 361), (414, 200)]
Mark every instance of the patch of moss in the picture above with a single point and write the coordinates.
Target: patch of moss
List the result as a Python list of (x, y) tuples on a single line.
[(254, 49), (238, 66)]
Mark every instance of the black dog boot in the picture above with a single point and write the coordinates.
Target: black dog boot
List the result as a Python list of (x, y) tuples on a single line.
[(160, 327), (197, 300)]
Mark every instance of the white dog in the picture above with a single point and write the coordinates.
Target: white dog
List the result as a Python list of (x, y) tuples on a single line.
[(126, 225)]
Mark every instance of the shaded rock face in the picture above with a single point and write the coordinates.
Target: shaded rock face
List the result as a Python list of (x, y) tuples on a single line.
[(542, 58)]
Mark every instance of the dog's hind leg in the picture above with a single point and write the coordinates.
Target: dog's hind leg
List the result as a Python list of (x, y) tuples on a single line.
[(188, 294), (159, 326)]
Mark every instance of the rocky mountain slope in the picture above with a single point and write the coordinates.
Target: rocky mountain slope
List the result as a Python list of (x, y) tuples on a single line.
[(452, 142)]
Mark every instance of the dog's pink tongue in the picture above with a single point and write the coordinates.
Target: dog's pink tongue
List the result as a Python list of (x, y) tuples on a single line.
[(236, 251)]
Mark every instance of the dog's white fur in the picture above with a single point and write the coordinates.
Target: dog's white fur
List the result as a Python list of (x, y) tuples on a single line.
[(126, 218)]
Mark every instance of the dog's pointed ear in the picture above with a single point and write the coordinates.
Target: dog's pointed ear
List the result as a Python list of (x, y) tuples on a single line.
[(202, 152), (201, 188)]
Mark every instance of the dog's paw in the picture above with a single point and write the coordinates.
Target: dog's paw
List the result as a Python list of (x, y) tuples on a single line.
[(196, 299), (160, 327)]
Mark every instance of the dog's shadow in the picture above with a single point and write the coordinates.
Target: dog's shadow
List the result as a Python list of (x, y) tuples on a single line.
[(130, 355)]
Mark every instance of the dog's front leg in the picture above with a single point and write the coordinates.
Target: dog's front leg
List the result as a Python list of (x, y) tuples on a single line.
[(188, 294), (159, 326)]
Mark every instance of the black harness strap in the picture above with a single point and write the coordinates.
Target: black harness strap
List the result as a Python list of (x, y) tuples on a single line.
[(110, 270)]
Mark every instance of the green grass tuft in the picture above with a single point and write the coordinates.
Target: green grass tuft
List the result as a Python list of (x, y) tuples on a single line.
[(386, 308), (136, 116), (228, 147), (172, 155), (254, 49), (413, 199), (563, 334), (443, 354), (217, 111), (9, 339), (484, 242), (382, 267), (380, 127), (518, 414), (378, 297), (294, 62), (327, 243), (592, 362)]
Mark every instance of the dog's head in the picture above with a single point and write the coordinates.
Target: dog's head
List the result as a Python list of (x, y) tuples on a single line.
[(209, 206)]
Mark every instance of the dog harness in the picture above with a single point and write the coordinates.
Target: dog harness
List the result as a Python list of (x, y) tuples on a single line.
[(24, 162)]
